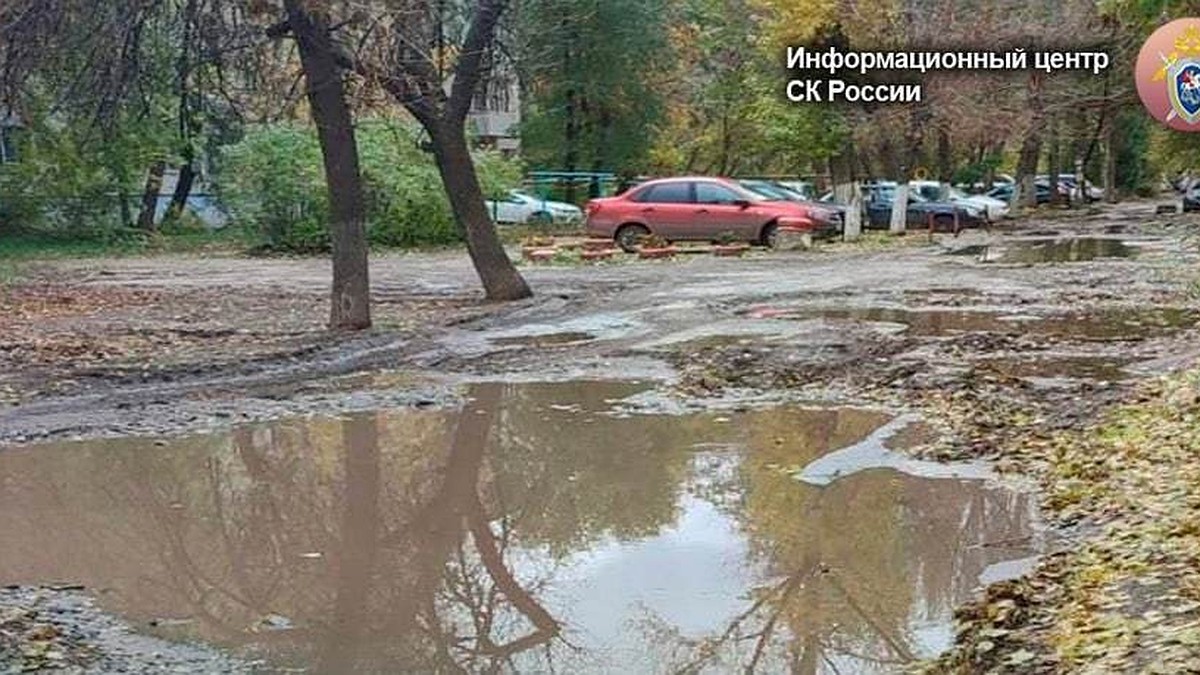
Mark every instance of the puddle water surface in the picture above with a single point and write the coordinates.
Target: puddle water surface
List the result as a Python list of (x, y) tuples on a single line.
[(1111, 324), (535, 530), (1037, 251)]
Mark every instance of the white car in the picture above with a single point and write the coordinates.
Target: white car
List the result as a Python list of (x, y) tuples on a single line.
[(993, 208), (521, 209)]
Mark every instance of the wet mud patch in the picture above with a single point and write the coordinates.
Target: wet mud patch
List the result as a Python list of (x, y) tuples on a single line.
[(545, 340), (539, 526), (1058, 366)]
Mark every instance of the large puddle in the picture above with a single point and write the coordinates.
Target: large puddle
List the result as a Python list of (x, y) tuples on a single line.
[(541, 528), (1056, 250), (1098, 325)]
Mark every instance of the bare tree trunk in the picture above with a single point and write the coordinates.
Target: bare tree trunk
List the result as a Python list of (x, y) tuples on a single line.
[(571, 109), (850, 195), (1110, 164), (351, 307), (154, 181), (1031, 148), (1055, 158), (899, 224), (444, 117), (945, 153), (501, 280), (183, 190)]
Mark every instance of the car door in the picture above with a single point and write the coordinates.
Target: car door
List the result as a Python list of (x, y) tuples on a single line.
[(508, 209), (517, 208), (879, 210), (668, 209), (719, 210)]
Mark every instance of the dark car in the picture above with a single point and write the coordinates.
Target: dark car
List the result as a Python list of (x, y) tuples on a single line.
[(1191, 199), (921, 212)]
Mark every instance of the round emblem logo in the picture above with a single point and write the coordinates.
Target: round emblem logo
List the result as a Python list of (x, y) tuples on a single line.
[(1168, 74)]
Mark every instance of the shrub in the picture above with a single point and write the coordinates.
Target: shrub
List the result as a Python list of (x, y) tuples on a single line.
[(274, 182), (74, 186)]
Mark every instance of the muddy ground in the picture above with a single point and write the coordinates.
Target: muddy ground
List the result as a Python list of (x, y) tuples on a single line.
[(996, 339)]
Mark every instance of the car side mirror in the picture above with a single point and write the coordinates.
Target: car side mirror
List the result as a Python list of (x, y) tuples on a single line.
[(742, 203)]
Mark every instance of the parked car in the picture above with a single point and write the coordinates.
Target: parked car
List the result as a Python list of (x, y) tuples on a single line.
[(829, 218), (698, 209), (1191, 199), (881, 196), (1090, 192), (993, 209), (519, 208), (1068, 188), (1005, 193), (800, 187)]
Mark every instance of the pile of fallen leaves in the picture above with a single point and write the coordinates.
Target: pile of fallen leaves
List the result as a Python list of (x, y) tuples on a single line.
[(31, 642), (1125, 596)]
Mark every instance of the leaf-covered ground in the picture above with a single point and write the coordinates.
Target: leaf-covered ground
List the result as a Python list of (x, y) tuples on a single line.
[(1122, 593)]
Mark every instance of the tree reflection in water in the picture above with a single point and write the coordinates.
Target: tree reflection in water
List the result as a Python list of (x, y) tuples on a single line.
[(453, 542), (861, 573)]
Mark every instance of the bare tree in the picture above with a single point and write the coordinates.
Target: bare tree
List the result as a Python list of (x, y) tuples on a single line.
[(351, 306), (411, 68)]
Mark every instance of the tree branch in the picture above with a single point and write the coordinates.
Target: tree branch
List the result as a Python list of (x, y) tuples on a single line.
[(470, 63)]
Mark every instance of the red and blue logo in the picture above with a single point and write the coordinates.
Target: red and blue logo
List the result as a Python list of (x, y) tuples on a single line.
[(1168, 74)]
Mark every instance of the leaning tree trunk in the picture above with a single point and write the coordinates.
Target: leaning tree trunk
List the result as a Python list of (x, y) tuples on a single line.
[(183, 188), (154, 182), (351, 307), (501, 280)]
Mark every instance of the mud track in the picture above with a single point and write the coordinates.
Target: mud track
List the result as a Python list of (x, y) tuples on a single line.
[(167, 345)]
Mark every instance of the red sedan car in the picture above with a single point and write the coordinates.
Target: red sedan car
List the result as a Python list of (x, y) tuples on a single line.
[(699, 209)]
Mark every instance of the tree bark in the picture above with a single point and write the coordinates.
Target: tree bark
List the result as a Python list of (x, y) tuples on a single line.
[(1110, 163), (899, 223), (417, 87), (183, 190), (501, 280), (1031, 148), (154, 181), (570, 112), (351, 306), (945, 154), (851, 195), (1054, 152)]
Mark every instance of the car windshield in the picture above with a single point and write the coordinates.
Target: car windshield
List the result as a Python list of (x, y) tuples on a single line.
[(766, 191)]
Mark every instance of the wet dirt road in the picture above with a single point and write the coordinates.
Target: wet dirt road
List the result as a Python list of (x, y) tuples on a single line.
[(704, 465)]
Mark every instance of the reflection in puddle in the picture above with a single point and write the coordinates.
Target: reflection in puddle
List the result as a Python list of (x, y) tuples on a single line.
[(873, 453), (1109, 324), (532, 531), (1036, 251)]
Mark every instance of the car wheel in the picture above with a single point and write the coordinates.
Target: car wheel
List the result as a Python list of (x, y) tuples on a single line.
[(943, 222), (770, 236), (629, 236), (541, 218)]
